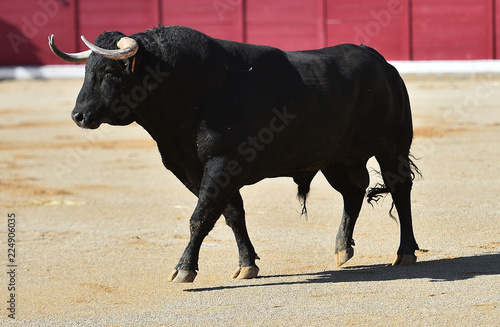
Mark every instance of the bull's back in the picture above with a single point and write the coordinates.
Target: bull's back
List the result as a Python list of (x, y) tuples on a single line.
[(356, 94), (337, 103)]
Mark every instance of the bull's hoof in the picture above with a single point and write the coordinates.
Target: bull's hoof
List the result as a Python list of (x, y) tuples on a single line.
[(405, 260), (246, 272), (182, 276), (342, 256)]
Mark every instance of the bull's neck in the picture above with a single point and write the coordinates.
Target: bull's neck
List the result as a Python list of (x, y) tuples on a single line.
[(171, 129), (156, 124)]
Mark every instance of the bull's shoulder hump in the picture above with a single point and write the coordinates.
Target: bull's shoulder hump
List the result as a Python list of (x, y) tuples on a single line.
[(249, 53)]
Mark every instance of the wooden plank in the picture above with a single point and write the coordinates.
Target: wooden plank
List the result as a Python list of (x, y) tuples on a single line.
[(289, 25), (218, 18), (452, 29), (382, 24), (127, 16)]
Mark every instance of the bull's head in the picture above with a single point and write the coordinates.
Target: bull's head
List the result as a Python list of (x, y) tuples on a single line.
[(108, 77)]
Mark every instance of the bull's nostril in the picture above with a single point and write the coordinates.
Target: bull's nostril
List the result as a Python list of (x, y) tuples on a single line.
[(78, 118)]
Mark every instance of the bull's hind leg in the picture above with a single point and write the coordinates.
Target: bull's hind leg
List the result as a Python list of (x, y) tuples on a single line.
[(235, 218), (351, 181), (397, 176)]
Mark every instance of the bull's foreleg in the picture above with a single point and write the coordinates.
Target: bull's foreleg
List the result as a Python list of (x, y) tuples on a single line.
[(235, 218), (215, 192), (201, 223)]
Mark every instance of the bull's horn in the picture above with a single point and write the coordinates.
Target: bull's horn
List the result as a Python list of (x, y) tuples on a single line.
[(71, 57), (127, 48)]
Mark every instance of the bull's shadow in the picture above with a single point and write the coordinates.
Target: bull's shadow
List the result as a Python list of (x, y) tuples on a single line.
[(453, 269)]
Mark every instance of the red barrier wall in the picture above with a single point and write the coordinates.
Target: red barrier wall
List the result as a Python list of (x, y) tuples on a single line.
[(399, 29), (452, 29)]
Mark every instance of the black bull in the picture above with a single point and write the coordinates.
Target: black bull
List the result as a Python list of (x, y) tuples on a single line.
[(226, 114)]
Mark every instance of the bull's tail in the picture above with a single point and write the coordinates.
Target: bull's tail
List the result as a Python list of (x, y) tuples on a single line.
[(380, 190), (406, 170)]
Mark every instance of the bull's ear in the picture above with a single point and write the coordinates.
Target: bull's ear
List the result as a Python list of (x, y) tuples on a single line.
[(130, 64), (133, 64)]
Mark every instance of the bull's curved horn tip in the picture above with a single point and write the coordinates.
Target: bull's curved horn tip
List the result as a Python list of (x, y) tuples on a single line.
[(87, 42)]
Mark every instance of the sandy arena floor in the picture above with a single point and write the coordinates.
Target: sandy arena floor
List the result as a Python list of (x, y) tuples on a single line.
[(100, 224)]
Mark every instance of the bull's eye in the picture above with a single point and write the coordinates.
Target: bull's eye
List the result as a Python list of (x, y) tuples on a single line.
[(110, 75), (109, 72)]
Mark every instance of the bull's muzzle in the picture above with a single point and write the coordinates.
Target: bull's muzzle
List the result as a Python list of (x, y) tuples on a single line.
[(78, 118), (84, 120)]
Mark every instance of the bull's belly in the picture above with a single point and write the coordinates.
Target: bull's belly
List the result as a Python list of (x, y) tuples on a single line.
[(312, 159)]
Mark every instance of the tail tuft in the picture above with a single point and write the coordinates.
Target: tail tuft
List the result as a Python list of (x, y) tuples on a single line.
[(303, 190), (380, 190)]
